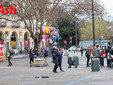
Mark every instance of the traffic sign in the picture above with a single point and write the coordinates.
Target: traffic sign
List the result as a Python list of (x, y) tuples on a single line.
[(71, 41), (102, 36), (102, 41), (70, 38)]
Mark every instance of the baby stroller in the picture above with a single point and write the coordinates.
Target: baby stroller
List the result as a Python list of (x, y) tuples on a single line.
[(73, 61)]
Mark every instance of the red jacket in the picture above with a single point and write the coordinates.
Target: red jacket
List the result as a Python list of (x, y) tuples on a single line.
[(103, 53)]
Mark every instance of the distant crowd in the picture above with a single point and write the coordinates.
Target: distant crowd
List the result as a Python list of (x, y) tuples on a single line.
[(100, 53)]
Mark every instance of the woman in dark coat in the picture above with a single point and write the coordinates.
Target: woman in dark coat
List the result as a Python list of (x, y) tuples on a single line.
[(56, 61), (31, 54)]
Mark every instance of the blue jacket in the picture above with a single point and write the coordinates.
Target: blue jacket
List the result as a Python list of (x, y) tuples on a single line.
[(61, 54), (45, 53)]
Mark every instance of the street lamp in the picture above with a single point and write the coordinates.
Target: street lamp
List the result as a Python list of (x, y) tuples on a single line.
[(93, 23), (76, 32)]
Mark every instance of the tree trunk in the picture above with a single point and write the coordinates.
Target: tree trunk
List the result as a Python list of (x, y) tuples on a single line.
[(38, 46)]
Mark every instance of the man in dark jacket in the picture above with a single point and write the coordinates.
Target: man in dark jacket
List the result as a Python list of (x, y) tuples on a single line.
[(97, 52)]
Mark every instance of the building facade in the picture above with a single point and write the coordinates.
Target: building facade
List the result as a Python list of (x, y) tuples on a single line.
[(15, 36)]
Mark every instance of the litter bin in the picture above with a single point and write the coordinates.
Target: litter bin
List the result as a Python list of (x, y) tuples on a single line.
[(95, 65), (76, 60)]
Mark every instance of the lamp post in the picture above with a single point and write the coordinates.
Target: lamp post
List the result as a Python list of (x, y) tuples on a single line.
[(93, 23), (76, 30)]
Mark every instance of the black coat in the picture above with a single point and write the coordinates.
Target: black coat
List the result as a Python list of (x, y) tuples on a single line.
[(56, 59), (31, 54)]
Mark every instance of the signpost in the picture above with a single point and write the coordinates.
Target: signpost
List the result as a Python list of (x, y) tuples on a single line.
[(70, 41), (102, 39)]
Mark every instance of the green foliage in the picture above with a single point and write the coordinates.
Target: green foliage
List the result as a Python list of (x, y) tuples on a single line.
[(100, 29), (67, 29)]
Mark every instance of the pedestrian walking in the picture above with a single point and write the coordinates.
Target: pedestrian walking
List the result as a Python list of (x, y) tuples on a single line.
[(88, 54), (60, 58), (31, 56), (56, 61), (81, 50), (9, 57), (102, 57)]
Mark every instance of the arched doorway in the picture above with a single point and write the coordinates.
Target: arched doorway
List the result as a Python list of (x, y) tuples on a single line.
[(26, 42), (14, 38), (1, 38)]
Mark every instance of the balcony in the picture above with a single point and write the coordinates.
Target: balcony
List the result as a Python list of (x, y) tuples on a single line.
[(15, 25), (2, 23)]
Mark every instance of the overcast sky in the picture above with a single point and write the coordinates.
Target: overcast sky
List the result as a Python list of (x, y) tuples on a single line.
[(108, 5)]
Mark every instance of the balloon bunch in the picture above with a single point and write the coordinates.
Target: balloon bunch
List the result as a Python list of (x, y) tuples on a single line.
[(50, 32)]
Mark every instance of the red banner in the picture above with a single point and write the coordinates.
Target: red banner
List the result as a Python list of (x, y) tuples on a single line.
[(26, 43), (2, 52), (1, 42)]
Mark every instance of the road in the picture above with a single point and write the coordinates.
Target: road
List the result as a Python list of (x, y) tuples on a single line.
[(22, 74)]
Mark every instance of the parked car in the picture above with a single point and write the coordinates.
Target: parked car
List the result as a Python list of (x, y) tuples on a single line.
[(15, 51), (74, 48)]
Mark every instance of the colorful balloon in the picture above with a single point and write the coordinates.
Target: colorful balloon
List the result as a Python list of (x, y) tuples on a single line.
[(58, 36), (47, 30), (44, 36), (43, 29)]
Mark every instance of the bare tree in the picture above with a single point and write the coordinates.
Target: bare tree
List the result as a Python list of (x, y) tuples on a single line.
[(36, 13)]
